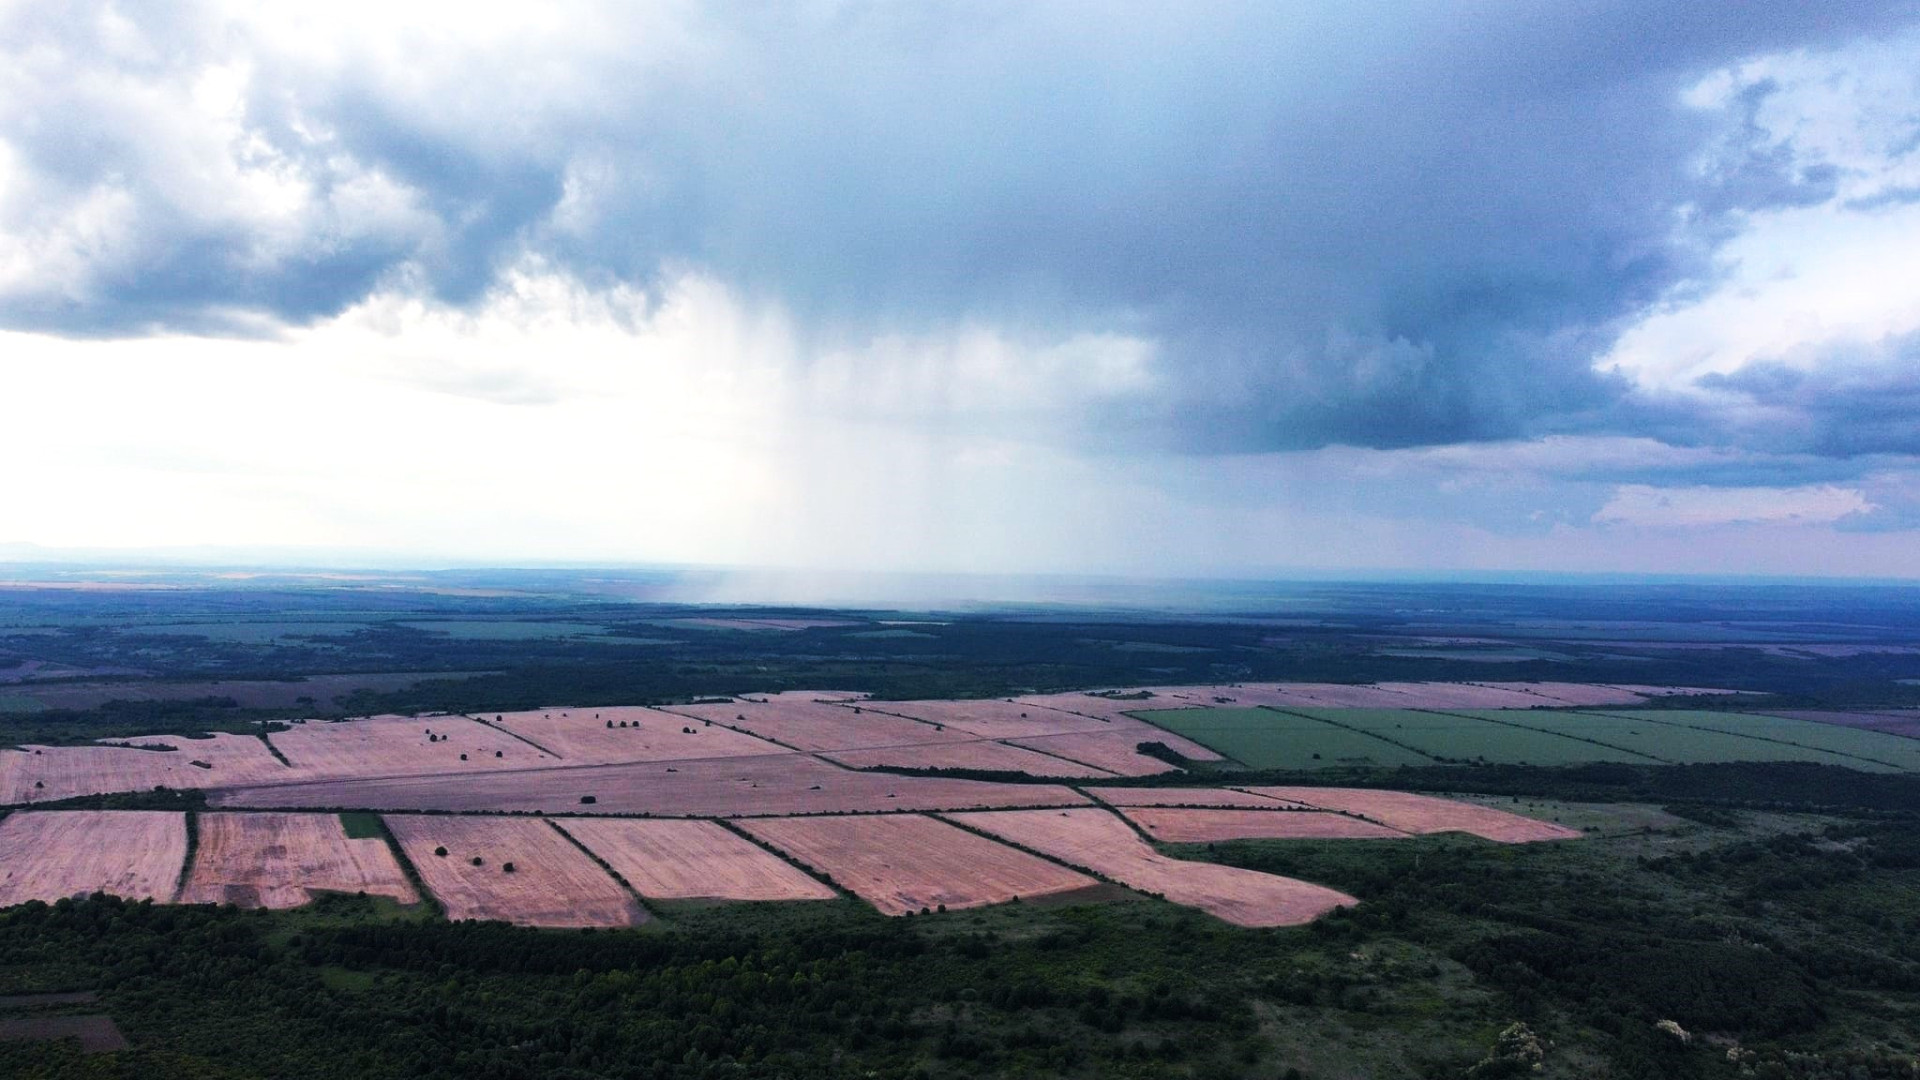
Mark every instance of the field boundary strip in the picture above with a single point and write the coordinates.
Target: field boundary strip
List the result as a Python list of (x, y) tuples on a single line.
[(190, 821), (839, 890), (947, 816), (617, 876), (432, 902), (491, 726)]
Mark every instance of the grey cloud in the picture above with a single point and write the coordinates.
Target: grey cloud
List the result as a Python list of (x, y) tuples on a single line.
[(1860, 401), (1387, 225)]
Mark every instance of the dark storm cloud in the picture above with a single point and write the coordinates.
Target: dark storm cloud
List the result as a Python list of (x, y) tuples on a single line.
[(1390, 225)]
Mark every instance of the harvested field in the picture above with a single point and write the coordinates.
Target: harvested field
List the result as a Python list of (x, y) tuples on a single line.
[(1424, 813), (1113, 751), (281, 860), (1096, 839), (42, 773), (582, 737), (902, 863), (53, 854), (977, 754), (686, 860), (400, 746), (991, 718), (1326, 695), (726, 787), (1206, 826), (553, 883), (1430, 695), (807, 724), (1559, 693), (1674, 691), (1204, 797), (1102, 706)]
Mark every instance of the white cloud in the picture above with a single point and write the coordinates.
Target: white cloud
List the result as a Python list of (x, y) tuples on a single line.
[(1692, 507), (1797, 281)]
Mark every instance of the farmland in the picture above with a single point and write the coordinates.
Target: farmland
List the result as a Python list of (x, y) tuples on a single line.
[(1101, 842), (723, 787), (624, 733), (48, 855), (1268, 739), (518, 870), (977, 754), (686, 860), (1187, 826), (282, 860), (903, 863), (1703, 861), (1410, 813)]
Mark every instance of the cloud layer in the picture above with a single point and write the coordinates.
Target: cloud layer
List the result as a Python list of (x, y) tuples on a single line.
[(1508, 267)]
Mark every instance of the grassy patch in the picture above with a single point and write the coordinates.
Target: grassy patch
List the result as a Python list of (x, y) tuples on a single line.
[(362, 825)]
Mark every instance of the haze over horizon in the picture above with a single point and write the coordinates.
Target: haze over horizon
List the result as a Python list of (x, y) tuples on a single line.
[(1214, 289)]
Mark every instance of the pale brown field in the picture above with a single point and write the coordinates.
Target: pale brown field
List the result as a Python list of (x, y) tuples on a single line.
[(1671, 691), (1424, 813), (1206, 826), (977, 754), (399, 746), (1557, 693), (726, 787), (807, 724), (1207, 797), (1083, 703), (990, 718), (42, 773), (1096, 839), (902, 863), (582, 737), (281, 860), (1110, 750), (1463, 696), (683, 860), (1321, 695), (553, 883), (52, 854)]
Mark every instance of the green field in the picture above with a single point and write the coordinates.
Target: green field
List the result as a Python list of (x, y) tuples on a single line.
[(1461, 737), (1658, 735), (1320, 738), (1265, 739), (1859, 747)]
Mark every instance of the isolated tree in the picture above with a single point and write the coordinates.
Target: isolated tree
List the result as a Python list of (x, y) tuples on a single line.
[(440, 851)]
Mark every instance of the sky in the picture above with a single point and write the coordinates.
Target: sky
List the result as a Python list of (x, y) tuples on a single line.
[(1193, 289)]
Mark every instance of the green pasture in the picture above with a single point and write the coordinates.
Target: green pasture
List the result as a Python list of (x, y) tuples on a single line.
[(1311, 738), (1265, 739)]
